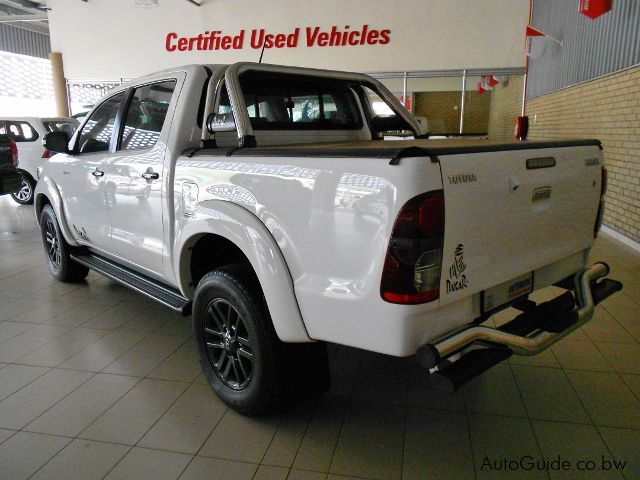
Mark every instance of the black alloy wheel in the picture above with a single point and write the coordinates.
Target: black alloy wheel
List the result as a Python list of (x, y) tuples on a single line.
[(228, 344)]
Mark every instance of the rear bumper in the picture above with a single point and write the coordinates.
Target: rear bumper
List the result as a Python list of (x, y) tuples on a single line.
[(534, 330)]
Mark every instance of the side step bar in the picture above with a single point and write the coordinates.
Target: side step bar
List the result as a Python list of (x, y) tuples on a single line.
[(528, 334), (153, 289)]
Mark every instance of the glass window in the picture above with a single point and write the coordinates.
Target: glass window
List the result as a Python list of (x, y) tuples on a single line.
[(96, 133), (20, 131), (145, 115), (61, 126), (292, 102)]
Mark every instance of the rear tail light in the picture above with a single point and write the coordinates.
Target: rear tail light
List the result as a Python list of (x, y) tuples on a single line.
[(603, 190), (46, 154), (412, 267), (14, 152)]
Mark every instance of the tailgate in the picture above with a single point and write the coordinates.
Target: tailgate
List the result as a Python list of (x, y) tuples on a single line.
[(508, 213)]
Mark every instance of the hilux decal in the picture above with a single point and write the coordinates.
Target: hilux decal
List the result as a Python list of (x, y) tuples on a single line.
[(457, 279)]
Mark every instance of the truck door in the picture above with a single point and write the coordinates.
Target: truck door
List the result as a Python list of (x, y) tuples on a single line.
[(135, 174), (81, 177)]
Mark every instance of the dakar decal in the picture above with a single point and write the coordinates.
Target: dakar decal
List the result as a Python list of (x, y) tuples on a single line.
[(82, 233), (457, 279)]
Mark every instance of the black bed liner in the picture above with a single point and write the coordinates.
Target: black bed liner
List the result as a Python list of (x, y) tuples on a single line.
[(394, 150)]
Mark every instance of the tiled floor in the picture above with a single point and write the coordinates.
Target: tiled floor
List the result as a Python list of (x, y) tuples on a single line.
[(97, 382)]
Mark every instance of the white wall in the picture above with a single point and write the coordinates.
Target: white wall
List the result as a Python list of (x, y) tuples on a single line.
[(103, 39)]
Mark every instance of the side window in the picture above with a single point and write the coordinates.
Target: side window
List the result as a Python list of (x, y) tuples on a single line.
[(96, 133), (145, 115), (21, 131)]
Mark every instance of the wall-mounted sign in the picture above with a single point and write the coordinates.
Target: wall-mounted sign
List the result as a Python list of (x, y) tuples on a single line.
[(257, 38), (595, 8)]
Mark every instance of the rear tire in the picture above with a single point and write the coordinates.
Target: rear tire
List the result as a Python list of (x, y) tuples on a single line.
[(245, 363), (24, 195), (58, 250)]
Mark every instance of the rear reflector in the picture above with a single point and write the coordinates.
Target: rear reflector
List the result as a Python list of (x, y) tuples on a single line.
[(46, 154)]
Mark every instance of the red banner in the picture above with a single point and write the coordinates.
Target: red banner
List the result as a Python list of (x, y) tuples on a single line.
[(595, 8)]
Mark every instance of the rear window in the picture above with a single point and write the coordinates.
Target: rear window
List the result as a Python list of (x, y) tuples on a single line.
[(298, 103), (19, 131), (58, 126)]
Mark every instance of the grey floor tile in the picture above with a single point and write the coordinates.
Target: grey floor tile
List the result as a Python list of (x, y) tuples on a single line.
[(147, 321), (548, 395), (177, 325), (31, 401), (624, 446), (229, 439), (135, 413), (215, 469), (61, 348), (497, 438), (188, 423), (306, 475), (103, 352), (268, 472), (80, 408), (320, 439), (82, 459), (153, 464), (11, 329), (5, 434), (607, 398), (625, 358), (28, 341), (14, 377), (604, 328), (494, 392), (544, 359), (633, 382), (111, 318), (371, 442), (25, 452), (77, 315), (433, 439), (577, 355), (286, 442), (573, 443), (182, 365), (46, 311), (146, 355)]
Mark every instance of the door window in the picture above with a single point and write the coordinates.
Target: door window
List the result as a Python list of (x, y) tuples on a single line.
[(145, 115), (96, 133)]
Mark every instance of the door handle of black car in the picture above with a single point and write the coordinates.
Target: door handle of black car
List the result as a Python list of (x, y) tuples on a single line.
[(150, 175), (97, 173)]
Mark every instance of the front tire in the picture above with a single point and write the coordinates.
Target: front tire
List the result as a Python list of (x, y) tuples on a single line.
[(242, 358), (58, 250), (24, 194)]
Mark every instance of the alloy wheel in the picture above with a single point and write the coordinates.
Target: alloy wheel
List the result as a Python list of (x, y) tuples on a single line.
[(24, 193), (52, 243), (228, 344)]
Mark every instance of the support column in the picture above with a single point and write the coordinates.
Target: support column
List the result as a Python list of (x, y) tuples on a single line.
[(59, 84)]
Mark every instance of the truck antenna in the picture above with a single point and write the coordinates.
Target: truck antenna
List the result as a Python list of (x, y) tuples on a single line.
[(262, 51)]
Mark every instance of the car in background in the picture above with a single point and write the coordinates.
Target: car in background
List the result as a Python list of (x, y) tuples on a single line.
[(28, 133)]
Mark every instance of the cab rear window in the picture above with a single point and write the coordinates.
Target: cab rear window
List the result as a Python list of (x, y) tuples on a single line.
[(277, 102)]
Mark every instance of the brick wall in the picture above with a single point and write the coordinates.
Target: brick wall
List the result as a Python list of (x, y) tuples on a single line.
[(506, 103), (442, 110), (608, 109)]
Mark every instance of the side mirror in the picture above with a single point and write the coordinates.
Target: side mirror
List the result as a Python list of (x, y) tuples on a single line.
[(56, 142), (221, 122)]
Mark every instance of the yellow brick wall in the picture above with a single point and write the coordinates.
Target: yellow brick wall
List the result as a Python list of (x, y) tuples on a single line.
[(608, 109), (442, 110), (506, 104)]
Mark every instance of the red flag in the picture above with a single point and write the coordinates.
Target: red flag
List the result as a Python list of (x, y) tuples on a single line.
[(492, 81), (480, 89), (534, 32), (594, 8)]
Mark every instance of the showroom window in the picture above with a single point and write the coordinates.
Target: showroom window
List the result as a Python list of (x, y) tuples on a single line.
[(96, 133), (145, 115)]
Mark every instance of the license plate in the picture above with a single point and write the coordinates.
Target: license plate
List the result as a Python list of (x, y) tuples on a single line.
[(507, 292)]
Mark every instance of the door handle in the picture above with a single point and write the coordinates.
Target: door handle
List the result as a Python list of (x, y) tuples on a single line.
[(97, 173), (150, 175)]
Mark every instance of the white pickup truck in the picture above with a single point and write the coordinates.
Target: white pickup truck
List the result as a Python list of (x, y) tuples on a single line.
[(264, 201)]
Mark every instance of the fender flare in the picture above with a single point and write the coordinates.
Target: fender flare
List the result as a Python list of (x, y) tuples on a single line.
[(252, 237), (47, 188)]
